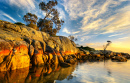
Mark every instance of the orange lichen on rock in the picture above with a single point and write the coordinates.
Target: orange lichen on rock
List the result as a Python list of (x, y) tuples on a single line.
[(83, 54), (58, 68), (37, 59), (58, 53), (5, 47), (40, 51), (62, 53), (49, 70), (21, 49), (69, 52), (37, 75), (30, 77), (4, 52), (53, 53)]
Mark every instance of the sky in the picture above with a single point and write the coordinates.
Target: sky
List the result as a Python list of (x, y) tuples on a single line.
[(92, 22)]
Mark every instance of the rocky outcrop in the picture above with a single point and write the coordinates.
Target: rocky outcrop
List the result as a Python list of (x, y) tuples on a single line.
[(119, 58), (114, 56), (13, 55), (22, 46)]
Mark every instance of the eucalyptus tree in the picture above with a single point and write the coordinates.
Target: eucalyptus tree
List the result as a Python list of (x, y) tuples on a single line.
[(31, 20), (51, 23)]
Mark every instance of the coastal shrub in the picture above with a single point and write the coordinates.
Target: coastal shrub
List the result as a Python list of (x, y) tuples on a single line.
[(34, 26), (19, 23), (87, 48)]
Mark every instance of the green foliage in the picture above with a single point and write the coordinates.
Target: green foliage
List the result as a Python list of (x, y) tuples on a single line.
[(87, 48), (19, 23), (47, 24), (30, 18), (51, 19), (34, 26)]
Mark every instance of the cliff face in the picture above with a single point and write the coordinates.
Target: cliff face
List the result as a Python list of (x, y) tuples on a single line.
[(21, 45)]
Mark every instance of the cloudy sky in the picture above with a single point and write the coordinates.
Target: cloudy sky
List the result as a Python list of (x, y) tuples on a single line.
[(93, 22)]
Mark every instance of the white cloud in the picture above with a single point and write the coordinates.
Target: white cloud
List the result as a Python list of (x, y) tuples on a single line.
[(116, 23), (70, 32), (65, 30), (120, 23), (124, 38), (92, 14), (19, 16), (62, 13), (3, 15), (27, 4), (115, 35), (87, 9), (85, 38), (91, 26), (75, 32), (9, 17), (77, 8)]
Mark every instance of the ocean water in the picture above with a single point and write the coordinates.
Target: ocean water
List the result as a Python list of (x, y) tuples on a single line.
[(100, 72), (87, 72)]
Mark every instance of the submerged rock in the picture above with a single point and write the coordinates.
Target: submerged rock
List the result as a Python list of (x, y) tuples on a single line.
[(119, 58)]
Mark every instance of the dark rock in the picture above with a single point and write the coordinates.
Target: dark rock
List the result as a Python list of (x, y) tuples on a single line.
[(64, 64), (71, 61), (119, 58)]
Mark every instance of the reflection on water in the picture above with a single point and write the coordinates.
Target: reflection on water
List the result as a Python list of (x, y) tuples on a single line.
[(88, 72), (16, 76), (100, 72), (44, 74)]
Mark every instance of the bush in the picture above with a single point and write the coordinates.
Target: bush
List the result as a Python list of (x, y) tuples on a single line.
[(19, 23), (87, 48), (34, 26)]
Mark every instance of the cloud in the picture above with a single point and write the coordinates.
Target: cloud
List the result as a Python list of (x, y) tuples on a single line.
[(87, 8), (70, 32), (19, 16), (99, 17), (116, 23), (116, 34), (75, 32), (77, 8), (62, 13), (122, 22), (85, 38), (124, 38), (65, 30), (9, 17), (28, 4), (92, 44), (5, 16), (91, 26)]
